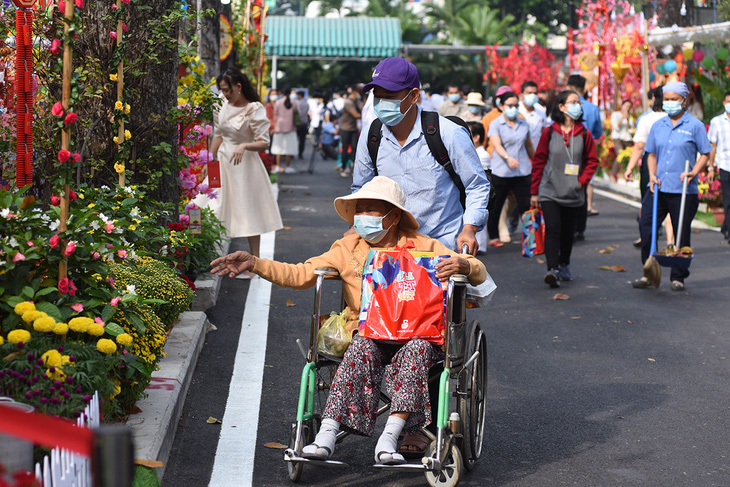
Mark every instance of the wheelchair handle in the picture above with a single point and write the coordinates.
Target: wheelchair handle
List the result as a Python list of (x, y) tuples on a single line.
[(464, 248), (326, 272)]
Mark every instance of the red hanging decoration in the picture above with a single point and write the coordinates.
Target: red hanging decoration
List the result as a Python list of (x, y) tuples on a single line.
[(24, 91)]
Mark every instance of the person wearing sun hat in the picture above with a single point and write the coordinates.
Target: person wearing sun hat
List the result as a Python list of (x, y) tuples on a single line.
[(493, 114), (380, 218), (403, 154), (672, 141), (475, 106)]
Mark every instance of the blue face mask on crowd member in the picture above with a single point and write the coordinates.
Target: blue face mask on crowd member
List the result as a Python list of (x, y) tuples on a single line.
[(530, 99), (672, 107), (575, 110), (511, 112), (370, 227), (455, 97), (474, 110), (727, 107), (388, 111)]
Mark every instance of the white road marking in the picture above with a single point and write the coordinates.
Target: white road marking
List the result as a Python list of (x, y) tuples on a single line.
[(234, 458)]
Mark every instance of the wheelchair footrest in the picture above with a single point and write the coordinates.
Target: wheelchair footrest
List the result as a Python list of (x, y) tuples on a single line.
[(290, 456), (427, 464)]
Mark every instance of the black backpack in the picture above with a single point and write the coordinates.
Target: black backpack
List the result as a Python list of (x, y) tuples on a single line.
[(430, 126)]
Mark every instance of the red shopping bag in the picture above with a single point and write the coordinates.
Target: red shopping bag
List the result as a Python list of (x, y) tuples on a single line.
[(407, 301), (533, 232), (214, 174)]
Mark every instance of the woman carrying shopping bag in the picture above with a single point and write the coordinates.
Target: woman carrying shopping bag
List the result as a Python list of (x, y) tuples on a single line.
[(564, 163)]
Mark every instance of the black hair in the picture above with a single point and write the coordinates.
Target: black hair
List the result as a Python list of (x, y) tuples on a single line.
[(626, 100), (466, 89), (505, 96), (556, 114), (727, 93), (658, 99), (476, 128), (301, 93), (577, 81), (528, 84), (453, 85), (286, 93), (234, 77)]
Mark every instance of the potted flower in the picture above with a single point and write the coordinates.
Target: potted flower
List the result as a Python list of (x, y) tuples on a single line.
[(710, 193)]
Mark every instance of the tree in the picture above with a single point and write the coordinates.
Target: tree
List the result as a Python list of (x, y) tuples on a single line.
[(477, 25), (446, 15), (412, 27)]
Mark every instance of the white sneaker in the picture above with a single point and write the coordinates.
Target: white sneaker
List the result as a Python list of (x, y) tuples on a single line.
[(290, 170)]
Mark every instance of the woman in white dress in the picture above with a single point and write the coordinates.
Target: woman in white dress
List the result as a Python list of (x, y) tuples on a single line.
[(245, 202)]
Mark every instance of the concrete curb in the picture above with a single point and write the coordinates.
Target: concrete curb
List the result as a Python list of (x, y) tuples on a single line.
[(153, 429), (208, 286)]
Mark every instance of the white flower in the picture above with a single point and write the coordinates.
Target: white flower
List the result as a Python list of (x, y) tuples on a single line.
[(5, 212), (124, 241), (103, 217), (95, 225), (134, 212), (131, 289), (163, 250), (105, 187), (12, 242), (54, 225), (133, 255)]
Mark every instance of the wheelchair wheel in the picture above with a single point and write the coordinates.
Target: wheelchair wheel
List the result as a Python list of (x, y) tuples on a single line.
[(472, 407), (295, 469), (450, 472)]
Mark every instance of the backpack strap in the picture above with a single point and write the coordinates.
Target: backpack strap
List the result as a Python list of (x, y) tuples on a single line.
[(374, 142), (430, 126)]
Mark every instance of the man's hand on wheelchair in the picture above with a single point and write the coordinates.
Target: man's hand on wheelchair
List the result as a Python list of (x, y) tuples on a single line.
[(233, 264), (468, 236), (453, 265)]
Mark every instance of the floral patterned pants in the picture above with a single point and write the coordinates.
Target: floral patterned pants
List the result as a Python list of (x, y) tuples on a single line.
[(355, 391)]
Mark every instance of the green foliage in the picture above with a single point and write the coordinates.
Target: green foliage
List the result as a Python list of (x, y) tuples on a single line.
[(202, 249), (145, 477), (476, 24)]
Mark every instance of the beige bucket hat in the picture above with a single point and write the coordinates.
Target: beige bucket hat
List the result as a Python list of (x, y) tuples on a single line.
[(475, 98), (378, 188)]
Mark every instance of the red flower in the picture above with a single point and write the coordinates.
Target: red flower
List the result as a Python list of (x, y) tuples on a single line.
[(72, 195), (124, 27), (54, 241), (76, 156), (70, 249), (56, 48), (177, 227), (66, 286), (63, 156), (80, 3), (57, 109), (114, 6), (55, 201), (62, 7), (113, 35), (125, 1), (70, 119)]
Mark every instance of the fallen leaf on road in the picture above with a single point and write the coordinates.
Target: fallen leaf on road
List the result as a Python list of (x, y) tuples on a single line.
[(287, 228), (696, 231), (289, 303), (308, 194), (605, 268), (135, 410), (652, 360), (575, 317), (561, 297), (618, 268), (212, 420), (276, 445), (630, 322), (148, 463), (609, 248), (540, 261), (604, 251), (592, 287)]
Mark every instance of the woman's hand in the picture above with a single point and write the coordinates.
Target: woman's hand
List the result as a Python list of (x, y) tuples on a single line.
[(535, 200), (233, 264), (238, 154), (453, 265), (654, 181), (513, 163)]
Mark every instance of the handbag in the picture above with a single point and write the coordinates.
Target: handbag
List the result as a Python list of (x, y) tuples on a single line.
[(533, 232), (401, 298), (297, 117)]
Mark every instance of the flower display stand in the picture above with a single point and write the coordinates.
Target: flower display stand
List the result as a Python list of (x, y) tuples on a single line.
[(208, 286)]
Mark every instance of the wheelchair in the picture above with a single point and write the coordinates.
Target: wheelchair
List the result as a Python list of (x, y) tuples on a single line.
[(462, 388)]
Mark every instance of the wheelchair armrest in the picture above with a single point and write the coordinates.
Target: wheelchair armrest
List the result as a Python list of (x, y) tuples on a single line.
[(330, 272), (459, 279)]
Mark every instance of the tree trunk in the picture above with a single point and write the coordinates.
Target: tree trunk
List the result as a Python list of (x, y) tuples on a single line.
[(209, 41)]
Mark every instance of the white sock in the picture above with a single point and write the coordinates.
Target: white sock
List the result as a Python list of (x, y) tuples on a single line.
[(327, 434), (388, 441)]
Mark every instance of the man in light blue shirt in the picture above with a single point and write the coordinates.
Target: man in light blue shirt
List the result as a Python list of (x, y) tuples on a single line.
[(404, 156), (673, 141), (719, 136)]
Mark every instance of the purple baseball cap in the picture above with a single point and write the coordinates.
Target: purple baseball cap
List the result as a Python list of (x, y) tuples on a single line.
[(394, 74)]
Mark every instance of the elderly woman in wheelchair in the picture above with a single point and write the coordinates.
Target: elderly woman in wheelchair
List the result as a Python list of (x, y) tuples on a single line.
[(380, 220)]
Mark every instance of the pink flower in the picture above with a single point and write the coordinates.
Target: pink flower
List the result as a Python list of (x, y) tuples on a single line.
[(115, 301), (30, 244), (78, 307), (70, 119), (185, 220), (56, 50), (54, 241), (95, 254), (114, 7), (190, 206), (63, 156), (76, 156), (18, 257), (80, 3), (124, 27), (99, 321), (109, 246), (66, 286), (62, 6), (122, 253), (55, 200), (57, 109), (125, 1), (70, 248), (110, 280), (113, 35), (109, 227)]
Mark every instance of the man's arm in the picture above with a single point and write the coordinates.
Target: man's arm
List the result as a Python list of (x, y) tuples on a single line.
[(364, 167)]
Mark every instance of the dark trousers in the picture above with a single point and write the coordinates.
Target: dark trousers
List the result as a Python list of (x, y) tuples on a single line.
[(581, 217), (348, 138), (302, 130), (501, 187), (668, 203), (725, 182), (643, 181), (330, 151), (559, 229)]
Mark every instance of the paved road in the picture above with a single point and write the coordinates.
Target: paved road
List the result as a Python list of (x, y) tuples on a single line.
[(614, 386)]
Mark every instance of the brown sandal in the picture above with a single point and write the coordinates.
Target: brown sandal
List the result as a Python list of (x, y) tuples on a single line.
[(413, 444)]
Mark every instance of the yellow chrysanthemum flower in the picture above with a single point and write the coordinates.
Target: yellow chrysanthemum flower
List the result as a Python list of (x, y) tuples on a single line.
[(95, 330), (60, 328), (125, 339), (118, 105), (116, 139), (113, 77), (16, 336), (104, 345), (127, 108), (45, 324), (80, 324), (30, 316), (2, 340), (52, 358), (23, 307), (127, 135), (57, 374)]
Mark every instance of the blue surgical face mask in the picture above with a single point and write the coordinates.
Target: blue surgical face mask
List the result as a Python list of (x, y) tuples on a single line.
[(474, 110), (455, 97), (511, 112), (388, 111), (370, 227), (727, 107), (530, 99), (575, 110), (672, 107)]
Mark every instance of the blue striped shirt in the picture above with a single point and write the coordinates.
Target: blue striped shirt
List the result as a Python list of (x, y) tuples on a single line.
[(431, 195)]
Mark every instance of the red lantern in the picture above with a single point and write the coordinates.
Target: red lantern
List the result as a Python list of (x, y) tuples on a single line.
[(24, 90), (25, 3)]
